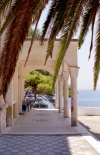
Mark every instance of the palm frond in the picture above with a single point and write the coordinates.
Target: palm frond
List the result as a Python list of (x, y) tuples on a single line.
[(94, 12), (5, 5), (32, 40), (10, 15), (38, 5), (66, 38), (85, 25), (96, 68), (15, 36), (50, 16), (58, 23), (89, 18)]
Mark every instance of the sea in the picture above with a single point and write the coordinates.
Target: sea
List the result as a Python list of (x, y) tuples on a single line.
[(85, 98), (88, 98)]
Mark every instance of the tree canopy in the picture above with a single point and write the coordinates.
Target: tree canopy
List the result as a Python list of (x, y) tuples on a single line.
[(64, 17), (37, 34), (39, 84)]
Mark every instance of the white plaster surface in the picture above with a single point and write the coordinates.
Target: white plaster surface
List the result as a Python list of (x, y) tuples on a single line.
[(88, 111)]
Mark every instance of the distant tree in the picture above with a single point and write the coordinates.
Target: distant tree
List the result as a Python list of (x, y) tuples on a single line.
[(37, 35), (39, 84), (69, 90), (30, 32), (44, 72)]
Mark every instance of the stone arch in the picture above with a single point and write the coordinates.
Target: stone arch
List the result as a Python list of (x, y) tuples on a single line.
[(36, 61), (27, 72)]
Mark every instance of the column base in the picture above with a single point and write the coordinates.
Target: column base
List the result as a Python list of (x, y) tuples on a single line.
[(65, 116), (74, 122), (60, 111)]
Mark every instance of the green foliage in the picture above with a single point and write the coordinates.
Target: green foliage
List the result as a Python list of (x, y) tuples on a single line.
[(30, 32), (44, 72), (69, 90), (33, 80), (44, 88), (37, 34), (28, 89), (39, 83)]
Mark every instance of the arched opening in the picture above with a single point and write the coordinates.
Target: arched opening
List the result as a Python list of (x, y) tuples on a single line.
[(36, 61), (38, 92)]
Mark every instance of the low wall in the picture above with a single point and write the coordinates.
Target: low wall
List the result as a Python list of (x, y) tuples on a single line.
[(88, 111)]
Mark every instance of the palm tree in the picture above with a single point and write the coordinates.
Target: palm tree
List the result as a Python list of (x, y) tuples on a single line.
[(64, 17)]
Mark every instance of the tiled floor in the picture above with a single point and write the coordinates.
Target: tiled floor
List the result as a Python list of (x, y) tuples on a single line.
[(42, 122), (44, 145), (46, 132)]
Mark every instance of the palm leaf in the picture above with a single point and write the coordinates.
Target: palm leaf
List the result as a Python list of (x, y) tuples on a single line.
[(50, 16), (94, 12), (97, 53), (5, 5), (85, 25), (89, 18), (58, 23), (15, 36), (10, 15), (32, 40), (38, 5), (66, 38)]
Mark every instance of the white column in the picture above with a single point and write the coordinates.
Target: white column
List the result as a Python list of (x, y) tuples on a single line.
[(21, 92), (56, 95), (20, 88), (74, 113), (9, 100), (23, 79), (15, 91), (65, 83), (19, 95), (60, 93)]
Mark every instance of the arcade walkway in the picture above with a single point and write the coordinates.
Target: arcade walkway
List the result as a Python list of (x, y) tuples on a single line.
[(46, 132)]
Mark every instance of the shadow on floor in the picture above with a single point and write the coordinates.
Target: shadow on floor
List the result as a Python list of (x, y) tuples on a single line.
[(39, 145), (95, 134)]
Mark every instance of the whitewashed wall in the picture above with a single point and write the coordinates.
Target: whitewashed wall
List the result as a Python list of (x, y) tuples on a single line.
[(86, 111)]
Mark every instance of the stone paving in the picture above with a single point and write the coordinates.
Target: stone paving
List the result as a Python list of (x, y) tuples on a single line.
[(46, 132), (42, 122), (44, 145), (92, 124)]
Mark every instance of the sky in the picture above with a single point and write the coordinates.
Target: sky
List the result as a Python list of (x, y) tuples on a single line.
[(85, 77)]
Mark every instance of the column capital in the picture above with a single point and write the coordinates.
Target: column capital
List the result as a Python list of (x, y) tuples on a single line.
[(66, 75), (74, 71)]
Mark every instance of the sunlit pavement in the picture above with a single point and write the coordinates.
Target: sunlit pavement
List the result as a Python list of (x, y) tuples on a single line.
[(92, 124), (46, 132)]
